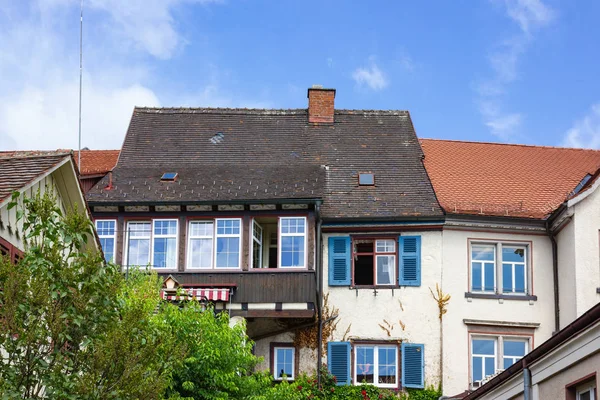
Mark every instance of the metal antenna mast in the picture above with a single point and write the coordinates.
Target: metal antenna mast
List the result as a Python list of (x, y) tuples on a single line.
[(80, 77)]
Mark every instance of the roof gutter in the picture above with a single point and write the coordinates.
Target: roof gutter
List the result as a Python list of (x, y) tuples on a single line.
[(576, 327)]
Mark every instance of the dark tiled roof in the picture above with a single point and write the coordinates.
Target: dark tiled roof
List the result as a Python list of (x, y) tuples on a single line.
[(95, 162), (505, 179), (18, 168), (240, 154)]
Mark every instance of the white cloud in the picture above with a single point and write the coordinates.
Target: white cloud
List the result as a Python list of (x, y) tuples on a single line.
[(585, 133), (370, 76), (529, 15)]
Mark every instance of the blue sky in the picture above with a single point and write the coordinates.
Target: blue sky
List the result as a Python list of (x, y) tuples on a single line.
[(519, 71)]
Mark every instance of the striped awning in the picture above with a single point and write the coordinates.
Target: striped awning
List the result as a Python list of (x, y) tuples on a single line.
[(197, 294)]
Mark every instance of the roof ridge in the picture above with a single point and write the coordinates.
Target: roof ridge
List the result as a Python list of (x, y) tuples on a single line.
[(508, 144), (28, 154), (192, 110)]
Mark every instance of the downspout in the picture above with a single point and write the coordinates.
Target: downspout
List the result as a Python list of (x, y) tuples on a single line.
[(526, 382), (555, 276), (319, 278)]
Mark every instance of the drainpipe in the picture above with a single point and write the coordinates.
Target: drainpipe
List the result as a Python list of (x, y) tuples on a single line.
[(319, 278), (526, 382), (555, 275)]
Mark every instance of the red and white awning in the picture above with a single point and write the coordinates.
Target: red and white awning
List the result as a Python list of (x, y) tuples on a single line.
[(197, 294)]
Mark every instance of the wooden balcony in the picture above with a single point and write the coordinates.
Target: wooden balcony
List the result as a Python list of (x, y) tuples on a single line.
[(261, 286)]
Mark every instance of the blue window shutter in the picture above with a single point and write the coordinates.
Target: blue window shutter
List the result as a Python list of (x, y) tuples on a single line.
[(409, 273), (413, 365), (338, 361), (339, 261)]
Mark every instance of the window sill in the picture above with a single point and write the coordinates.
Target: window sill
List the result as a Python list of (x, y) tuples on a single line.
[(470, 295)]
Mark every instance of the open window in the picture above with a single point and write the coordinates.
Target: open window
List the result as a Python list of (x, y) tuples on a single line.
[(374, 261), (279, 242)]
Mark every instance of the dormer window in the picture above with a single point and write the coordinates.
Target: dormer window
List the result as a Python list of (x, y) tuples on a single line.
[(366, 179), (169, 176)]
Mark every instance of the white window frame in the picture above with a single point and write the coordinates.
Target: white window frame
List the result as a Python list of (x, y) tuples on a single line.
[(513, 268), (375, 347), (127, 242), (113, 236), (586, 388), (275, 366), (498, 351), (227, 235), (193, 237), (483, 276), (387, 254), (498, 266), (282, 235), (167, 236), (256, 241)]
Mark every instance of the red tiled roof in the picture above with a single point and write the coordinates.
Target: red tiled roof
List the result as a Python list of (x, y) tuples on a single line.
[(19, 168), (504, 179), (95, 162)]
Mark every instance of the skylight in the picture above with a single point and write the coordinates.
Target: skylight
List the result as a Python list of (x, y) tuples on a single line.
[(366, 179), (581, 184), (169, 176), (217, 138)]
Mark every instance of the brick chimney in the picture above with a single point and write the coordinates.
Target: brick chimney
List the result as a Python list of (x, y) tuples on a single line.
[(320, 104)]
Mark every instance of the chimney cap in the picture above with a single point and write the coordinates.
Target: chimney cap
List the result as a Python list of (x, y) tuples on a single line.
[(315, 86), (319, 88)]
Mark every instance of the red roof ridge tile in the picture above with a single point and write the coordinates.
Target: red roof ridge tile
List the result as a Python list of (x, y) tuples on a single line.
[(507, 144)]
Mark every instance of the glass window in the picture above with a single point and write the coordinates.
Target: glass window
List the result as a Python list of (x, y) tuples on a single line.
[(138, 243), (164, 249), (513, 269), (514, 350), (284, 362), (483, 358), (257, 245), (366, 179), (483, 261), (228, 243), (376, 365), (293, 242), (200, 244), (107, 233)]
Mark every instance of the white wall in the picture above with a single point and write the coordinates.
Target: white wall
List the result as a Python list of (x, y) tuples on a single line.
[(567, 291), (456, 283), (411, 311), (586, 226)]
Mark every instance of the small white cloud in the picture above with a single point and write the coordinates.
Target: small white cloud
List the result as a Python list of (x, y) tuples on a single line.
[(407, 62), (585, 133), (504, 126), (330, 62), (529, 14), (370, 76)]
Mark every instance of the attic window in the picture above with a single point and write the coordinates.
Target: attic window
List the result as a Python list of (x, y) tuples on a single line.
[(581, 184), (169, 176), (365, 179), (217, 138)]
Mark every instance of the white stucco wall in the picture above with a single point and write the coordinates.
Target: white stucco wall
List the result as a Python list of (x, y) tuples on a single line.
[(456, 377), (567, 291), (411, 311), (586, 226), (307, 359)]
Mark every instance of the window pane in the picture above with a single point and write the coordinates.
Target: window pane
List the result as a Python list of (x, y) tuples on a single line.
[(507, 278), (587, 395), (105, 228), (364, 364), (228, 252), (165, 253), (520, 278), (201, 229), (138, 252), (489, 277), (139, 229), (165, 227), (514, 348), (284, 363), (483, 252), (477, 368), (292, 251), (385, 270), (483, 346), (477, 276), (228, 227), (508, 362), (386, 246), (108, 247), (387, 365), (201, 253), (490, 366), (513, 254)]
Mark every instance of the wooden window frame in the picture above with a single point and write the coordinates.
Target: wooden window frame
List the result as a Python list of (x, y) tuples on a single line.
[(354, 254)]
